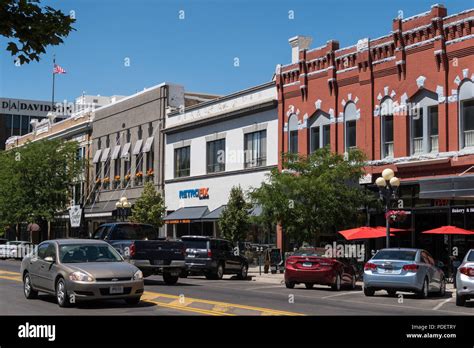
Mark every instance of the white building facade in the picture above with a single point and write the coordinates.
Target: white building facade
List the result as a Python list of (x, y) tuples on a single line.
[(213, 146)]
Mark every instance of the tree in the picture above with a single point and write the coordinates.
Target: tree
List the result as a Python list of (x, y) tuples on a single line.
[(313, 194), (149, 207), (32, 28), (36, 181), (235, 221)]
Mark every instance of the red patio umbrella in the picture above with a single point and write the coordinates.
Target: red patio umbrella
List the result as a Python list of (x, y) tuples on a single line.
[(448, 230), (392, 229), (364, 232)]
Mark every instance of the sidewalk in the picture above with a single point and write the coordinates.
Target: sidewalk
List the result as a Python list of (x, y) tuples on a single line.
[(269, 278)]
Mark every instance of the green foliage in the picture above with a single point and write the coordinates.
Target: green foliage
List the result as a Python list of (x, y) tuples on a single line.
[(313, 194), (234, 222), (32, 28), (35, 180), (150, 207)]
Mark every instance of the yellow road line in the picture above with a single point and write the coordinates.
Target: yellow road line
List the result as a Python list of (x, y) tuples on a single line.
[(225, 304), (183, 302)]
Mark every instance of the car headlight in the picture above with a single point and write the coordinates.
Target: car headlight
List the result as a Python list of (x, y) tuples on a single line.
[(138, 275), (80, 276)]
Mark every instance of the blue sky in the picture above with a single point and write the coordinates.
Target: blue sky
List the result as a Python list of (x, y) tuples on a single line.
[(197, 51)]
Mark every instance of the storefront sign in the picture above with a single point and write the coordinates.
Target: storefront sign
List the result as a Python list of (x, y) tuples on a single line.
[(462, 210), (201, 193), (172, 222), (75, 214)]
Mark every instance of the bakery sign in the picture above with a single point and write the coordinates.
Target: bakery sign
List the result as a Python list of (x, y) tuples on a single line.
[(201, 193)]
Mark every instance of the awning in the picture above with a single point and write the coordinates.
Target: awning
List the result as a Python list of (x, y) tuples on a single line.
[(148, 144), (449, 230), (215, 214), (116, 152), (138, 147), (450, 187), (364, 232), (186, 215), (125, 150), (97, 156), (105, 155)]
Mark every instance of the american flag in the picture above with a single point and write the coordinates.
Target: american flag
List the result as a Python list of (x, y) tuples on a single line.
[(58, 70)]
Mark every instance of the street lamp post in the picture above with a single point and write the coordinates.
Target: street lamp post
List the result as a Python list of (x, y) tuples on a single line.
[(388, 185), (123, 208)]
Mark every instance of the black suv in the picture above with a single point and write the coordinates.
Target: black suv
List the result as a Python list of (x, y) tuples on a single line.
[(213, 257)]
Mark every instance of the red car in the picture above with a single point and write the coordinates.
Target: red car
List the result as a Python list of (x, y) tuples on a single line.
[(311, 266)]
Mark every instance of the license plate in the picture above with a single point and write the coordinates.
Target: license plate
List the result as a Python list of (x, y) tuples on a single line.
[(307, 264), (388, 271), (158, 262), (191, 256), (116, 290)]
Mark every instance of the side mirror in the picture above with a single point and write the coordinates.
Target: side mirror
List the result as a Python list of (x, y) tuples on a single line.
[(49, 259)]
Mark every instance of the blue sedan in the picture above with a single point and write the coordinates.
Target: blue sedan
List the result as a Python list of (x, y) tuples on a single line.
[(403, 269)]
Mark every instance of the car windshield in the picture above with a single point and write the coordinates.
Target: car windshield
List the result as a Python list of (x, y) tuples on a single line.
[(310, 252), (402, 255), (195, 244), (14, 243), (79, 253)]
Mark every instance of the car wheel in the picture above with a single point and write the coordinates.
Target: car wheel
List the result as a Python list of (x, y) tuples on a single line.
[(424, 290), (209, 276), (337, 284), (133, 300), (290, 285), (61, 293), (460, 300), (309, 285), (442, 288), (391, 293), (170, 279), (369, 292), (30, 293), (243, 272)]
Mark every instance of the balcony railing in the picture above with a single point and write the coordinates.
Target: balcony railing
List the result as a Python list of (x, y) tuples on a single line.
[(434, 143), (468, 138), (417, 146), (388, 149)]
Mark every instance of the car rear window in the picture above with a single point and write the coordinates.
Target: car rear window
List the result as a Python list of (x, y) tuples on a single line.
[(310, 252), (402, 255), (195, 244), (470, 257), (134, 232)]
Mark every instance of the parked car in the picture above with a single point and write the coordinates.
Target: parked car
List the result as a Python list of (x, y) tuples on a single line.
[(3, 241), (80, 269), (139, 244), (403, 269), (213, 257), (310, 266), (15, 249), (465, 279)]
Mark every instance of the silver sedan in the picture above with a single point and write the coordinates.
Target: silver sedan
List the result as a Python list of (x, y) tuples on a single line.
[(80, 269), (403, 269), (465, 279)]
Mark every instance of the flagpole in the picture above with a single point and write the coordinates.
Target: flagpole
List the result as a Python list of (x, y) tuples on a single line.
[(52, 98)]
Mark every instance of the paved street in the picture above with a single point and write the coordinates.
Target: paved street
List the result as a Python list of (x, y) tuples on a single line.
[(198, 296)]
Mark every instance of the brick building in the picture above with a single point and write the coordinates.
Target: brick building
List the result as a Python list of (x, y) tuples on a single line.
[(406, 99)]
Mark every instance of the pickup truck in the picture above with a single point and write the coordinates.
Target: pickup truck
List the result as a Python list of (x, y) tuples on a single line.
[(139, 244)]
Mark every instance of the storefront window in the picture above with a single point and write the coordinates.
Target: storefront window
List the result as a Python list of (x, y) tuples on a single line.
[(182, 162), (215, 156), (255, 147)]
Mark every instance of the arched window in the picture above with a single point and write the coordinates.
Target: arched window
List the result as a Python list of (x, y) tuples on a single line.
[(424, 123), (293, 134), (319, 131), (386, 114), (466, 117), (350, 133)]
